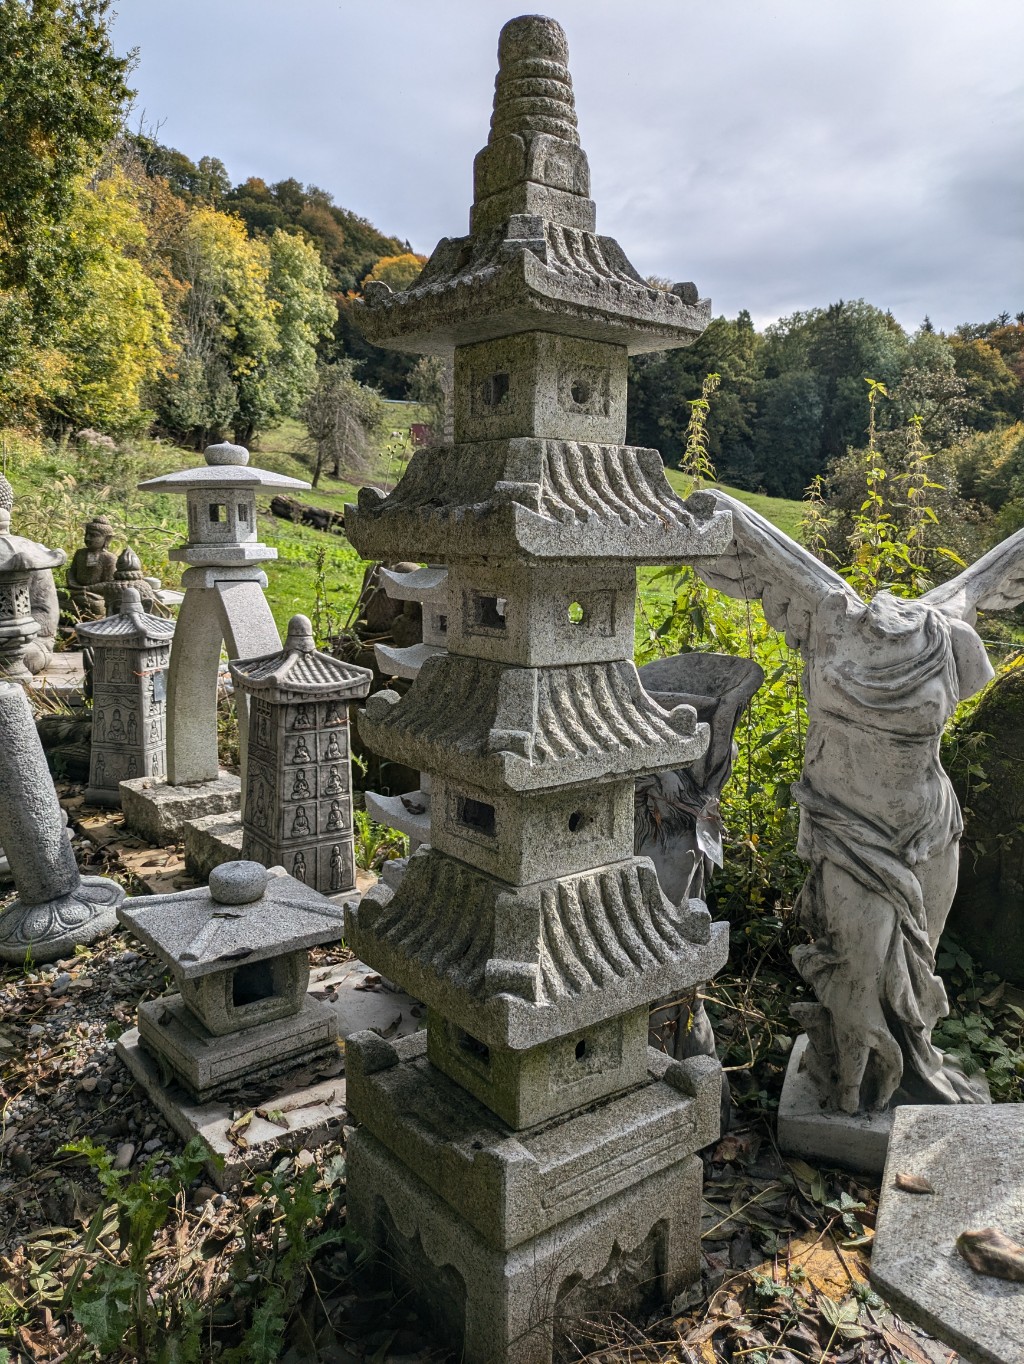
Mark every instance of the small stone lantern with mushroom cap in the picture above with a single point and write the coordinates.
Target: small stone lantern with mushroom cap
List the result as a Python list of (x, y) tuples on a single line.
[(239, 953)]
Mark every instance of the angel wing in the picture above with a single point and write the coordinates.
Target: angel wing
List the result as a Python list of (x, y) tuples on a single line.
[(763, 562), (994, 583)]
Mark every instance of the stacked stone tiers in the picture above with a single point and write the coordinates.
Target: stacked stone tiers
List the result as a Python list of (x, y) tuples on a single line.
[(531, 1138)]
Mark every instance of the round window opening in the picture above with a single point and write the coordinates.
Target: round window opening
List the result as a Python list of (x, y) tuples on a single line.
[(581, 1049), (576, 613), (575, 821), (580, 392)]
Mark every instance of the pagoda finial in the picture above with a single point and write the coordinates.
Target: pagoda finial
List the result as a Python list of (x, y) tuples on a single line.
[(533, 88), (533, 163), (300, 636)]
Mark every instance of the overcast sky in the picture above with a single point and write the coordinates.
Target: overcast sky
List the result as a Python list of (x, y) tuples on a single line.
[(782, 154)]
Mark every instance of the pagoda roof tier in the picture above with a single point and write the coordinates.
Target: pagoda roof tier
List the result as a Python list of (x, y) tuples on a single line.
[(503, 728), (299, 670), (515, 966), (527, 498), (531, 274), (131, 626)]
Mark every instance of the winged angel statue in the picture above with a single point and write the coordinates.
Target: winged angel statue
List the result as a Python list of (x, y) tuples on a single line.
[(879, 822)]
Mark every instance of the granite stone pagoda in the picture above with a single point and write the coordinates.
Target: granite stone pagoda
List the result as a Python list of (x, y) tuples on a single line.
[(528, 1160), (298, 804), (131, 651)]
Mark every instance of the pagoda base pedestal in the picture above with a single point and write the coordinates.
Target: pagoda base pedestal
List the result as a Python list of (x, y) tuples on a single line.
[(510, 1240), (157, 811)]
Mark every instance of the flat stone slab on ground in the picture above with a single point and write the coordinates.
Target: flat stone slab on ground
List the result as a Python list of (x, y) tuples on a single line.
[(973, 1156), (64, 676), (852, 1141), (157, 812), (303, 1117)]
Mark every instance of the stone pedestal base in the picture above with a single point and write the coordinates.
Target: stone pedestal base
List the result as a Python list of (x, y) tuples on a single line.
[(54, 929), (207, 1065), (970, 1154), (157, 811), (853, 1141), (211, 840), (509, 1237), (304, 1116)]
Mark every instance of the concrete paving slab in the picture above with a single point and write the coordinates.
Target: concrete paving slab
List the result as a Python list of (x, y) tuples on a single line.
[(973, 1156)]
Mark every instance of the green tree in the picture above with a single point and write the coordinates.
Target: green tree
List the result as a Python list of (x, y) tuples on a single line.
[(117, 338), (62, 94)]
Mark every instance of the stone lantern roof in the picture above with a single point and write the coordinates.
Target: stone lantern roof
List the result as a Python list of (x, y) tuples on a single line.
[(227, 466), (300, 671), (131, 627), (17, 554), (532, 259), (245, 915)]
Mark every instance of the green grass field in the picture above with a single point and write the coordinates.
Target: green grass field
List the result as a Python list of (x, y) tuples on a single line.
[(57, 490)]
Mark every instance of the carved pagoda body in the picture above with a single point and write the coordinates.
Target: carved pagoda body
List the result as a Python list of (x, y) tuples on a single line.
[(298, 805), (529, 1159), (131, 651)]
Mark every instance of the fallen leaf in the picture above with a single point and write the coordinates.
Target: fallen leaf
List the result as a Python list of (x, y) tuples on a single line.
[(913, 1183), (990, 1251), (237, 1128)]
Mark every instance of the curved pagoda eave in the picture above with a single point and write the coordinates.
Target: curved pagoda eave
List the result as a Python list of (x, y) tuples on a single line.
[(521, 294)]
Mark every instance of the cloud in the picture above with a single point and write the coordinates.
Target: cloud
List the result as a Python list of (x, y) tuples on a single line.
[(780, 155)]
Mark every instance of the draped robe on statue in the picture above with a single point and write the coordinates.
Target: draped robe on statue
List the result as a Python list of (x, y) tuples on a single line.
[(879, 822)]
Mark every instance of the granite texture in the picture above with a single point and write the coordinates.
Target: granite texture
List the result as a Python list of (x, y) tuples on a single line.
[(224, 605), (525, 1138), (206, 1064), (517, 966), (211, 840), (157, 811), (298, 805), (972, 1159), (56, 909), (511, 1186), (28, 597), (131, 652)]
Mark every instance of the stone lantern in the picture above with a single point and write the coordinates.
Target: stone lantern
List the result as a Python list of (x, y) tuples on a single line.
[(131, 651), (26, 594), (529, 1160), (223, 607), (239, 953), (298, 804)]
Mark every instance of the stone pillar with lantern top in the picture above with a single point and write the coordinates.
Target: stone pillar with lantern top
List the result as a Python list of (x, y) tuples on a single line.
[(224, 607)]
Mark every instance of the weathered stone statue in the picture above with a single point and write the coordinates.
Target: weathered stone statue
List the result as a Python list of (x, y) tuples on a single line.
[(128, 573), (91, 569), (28, 597), (57, 909), (880, 824)]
